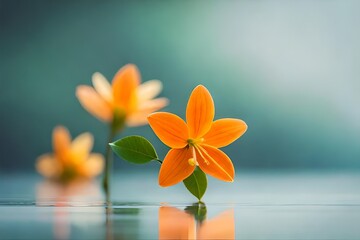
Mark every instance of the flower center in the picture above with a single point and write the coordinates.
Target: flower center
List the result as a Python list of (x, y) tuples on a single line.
[(194, 142)]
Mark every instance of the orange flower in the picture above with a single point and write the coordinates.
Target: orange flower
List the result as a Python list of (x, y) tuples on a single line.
[(126, 99), (196, 142), (70, 158)]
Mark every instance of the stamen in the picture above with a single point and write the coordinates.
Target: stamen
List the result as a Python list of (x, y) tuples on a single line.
[(194, 157), (192, 162), (194, 153), (199, 151)]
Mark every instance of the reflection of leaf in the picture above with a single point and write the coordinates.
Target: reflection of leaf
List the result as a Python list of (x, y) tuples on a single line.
[(126, 211), (196, 183), (198, 210), (123, 225), (129, 204), (135, 149)]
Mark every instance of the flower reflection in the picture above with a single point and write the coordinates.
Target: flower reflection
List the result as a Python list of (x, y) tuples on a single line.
[(78, 192), (192, 224), (176, 224)]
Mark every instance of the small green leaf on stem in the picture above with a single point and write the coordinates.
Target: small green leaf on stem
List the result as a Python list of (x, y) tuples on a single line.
[(196, 183), (135, 149)]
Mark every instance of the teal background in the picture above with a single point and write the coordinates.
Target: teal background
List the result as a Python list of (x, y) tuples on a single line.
[(290, 69)]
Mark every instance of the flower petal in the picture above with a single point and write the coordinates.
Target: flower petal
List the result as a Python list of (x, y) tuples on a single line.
[(215, 163), (94, 165), (47, 166), (200, 112), (175, 167), (139, 118), (93, 103), (149, 89), (153, 105), (224, 131), (81, 147), (102, 86), (176, 224), (61, 142), (124, 85), (169, 128)]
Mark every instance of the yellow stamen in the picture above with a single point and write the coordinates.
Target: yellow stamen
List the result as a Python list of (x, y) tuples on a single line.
[(192, 162), (194, 154), (202, 150), (198, 148)]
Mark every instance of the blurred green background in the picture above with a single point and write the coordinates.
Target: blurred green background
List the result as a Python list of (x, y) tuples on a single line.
[(290, 69)]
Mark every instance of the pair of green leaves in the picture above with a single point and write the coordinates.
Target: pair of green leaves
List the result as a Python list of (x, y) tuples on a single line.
[(139, 150)]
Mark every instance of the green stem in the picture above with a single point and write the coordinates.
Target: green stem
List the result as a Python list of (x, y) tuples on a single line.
[(108, 165)]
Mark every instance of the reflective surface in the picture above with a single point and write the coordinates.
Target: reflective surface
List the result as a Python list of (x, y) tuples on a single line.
[(259, 205)]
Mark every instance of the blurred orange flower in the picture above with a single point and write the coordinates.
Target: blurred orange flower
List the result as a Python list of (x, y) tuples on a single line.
[(125, 99), (70, 159), (177, 224), (196, 142)]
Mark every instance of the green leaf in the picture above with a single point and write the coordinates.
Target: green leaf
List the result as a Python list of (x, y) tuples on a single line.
[(135, 149), (196, 183)]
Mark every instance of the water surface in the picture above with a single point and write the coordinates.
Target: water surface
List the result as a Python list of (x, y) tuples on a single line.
[(259, 205)]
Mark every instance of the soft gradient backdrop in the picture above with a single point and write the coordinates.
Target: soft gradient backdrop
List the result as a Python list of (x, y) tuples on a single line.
[(290, 69)]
